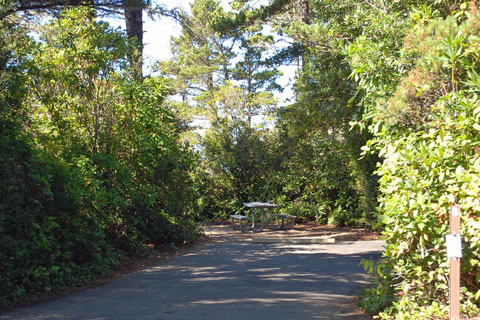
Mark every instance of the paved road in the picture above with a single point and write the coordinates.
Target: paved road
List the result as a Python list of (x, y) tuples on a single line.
[(228, 280)]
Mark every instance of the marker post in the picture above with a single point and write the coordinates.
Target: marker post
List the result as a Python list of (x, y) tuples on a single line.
[(454, 252)]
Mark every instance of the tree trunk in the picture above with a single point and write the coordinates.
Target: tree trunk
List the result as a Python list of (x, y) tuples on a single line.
[(305, 11), (305, 15), (133, 10)]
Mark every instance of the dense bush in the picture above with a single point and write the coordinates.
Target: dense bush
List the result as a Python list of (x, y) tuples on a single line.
[(93, 171), (46, 241), (322, 176), (238, 168), (426, 121), (315, 182)]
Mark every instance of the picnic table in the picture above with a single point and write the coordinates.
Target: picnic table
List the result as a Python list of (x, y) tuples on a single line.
[(261, 206)]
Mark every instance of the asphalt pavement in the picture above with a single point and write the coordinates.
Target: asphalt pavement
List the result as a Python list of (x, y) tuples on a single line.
[(228, 280)]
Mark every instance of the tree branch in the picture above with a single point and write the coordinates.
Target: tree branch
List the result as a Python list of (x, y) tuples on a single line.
[(108, 6)]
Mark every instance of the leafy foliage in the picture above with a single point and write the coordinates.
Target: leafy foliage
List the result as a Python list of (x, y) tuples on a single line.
[(229, 91), (424, 122), (94, 167), (97, 165), (322, 175)]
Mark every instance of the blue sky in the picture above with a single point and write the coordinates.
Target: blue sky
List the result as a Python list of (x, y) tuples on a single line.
[(157, 34)]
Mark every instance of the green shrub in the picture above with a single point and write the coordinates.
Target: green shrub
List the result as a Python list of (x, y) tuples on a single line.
[(93, 170), (426, 131)]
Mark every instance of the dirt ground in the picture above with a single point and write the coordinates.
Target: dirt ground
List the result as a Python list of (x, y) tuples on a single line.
[(223, 230)]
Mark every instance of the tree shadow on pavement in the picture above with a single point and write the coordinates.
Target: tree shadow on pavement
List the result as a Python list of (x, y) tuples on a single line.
[(229, 280)]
